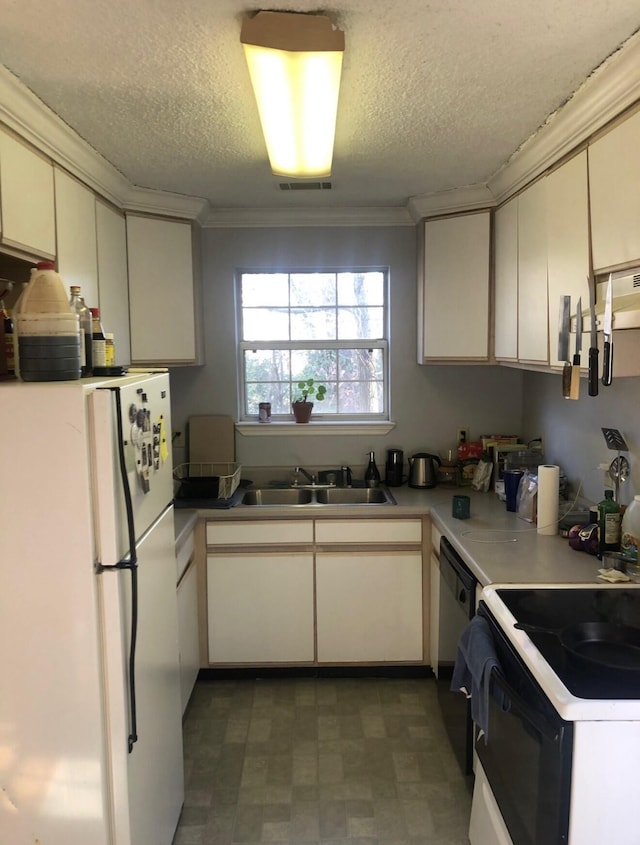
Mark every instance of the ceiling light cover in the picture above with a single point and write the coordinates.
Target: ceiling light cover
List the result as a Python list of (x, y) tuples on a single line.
[(295, 62)]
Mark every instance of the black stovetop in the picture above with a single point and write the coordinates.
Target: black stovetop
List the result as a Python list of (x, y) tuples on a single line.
[(561, 608)]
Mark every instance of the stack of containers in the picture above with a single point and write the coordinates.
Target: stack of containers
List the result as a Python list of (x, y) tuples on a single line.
[(48, 331)]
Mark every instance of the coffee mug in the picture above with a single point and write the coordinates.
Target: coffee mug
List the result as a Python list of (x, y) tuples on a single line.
[(511, 483)]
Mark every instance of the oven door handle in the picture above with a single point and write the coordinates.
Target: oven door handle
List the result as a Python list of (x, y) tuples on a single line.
[(524, 710)]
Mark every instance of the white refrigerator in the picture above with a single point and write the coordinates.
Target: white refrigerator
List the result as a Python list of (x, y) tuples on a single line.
[(90, 711)]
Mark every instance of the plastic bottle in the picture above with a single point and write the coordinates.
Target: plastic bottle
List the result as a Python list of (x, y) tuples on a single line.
[(609, 523), (372, 476), (630, 533), (78, 304), (110, 350), (99, 340)]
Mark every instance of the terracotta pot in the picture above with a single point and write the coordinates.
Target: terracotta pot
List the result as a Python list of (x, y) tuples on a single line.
[(302, 411)]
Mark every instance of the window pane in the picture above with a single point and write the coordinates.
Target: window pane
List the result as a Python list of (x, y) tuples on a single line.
[(318, 364), (313, 324), (360, 397), (360, 323), (265, 289), (265, 324), (361, 288), (313, 289), (360, 364)]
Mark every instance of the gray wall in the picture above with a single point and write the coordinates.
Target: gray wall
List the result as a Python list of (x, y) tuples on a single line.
[(572, 430), (428, 403)]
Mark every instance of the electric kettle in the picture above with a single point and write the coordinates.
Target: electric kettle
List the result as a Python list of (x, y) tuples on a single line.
[(423, 470)]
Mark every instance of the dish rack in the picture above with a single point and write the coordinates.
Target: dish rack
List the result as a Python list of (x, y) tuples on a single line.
[(207, 480)]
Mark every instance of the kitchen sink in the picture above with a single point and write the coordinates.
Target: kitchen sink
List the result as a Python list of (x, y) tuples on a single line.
[(355, 496), (268, 496), (343, 496)]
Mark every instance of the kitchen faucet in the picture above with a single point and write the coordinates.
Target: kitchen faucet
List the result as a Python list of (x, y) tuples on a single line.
[(308, 475)]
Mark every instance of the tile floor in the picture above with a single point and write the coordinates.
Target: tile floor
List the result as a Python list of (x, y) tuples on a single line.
[(320, 760)]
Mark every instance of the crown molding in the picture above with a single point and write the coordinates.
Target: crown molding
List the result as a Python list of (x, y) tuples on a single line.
[(148, 201), (608, 91), (330, 216), (470, 198)]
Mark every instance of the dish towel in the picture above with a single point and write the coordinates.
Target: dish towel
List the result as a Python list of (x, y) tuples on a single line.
[(475, 658)]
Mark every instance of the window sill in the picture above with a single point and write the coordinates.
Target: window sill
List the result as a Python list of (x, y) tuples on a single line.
[(256, 429)]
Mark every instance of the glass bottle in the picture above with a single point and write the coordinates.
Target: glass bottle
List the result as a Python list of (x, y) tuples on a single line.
[(609, 523), (98, 340), (372, 476), (77, 302)]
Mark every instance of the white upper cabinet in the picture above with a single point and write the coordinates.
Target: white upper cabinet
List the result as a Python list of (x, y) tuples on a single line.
[(614, 189), (76, 232), (112, 277), (162, 291), (26, 195), (454, 318), (533, 311), (567, 245), (506, 282)]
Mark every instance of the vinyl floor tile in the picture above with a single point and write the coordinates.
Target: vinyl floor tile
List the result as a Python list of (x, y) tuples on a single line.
[(320, 761)]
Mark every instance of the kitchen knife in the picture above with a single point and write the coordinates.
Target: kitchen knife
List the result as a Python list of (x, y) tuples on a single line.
[(593, 348), (607, 357), (564, 328), (574, 391)]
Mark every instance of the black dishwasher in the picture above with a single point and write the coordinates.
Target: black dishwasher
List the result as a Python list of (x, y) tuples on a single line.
[(456, 606)]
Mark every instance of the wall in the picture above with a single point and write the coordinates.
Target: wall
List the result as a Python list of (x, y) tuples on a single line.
[(428, 403), (572, 430)]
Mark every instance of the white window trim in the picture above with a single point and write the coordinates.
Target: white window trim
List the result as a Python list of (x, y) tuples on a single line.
[(314, 428)]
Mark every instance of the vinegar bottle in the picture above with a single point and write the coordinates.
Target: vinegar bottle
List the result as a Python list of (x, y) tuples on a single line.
[(77, 303), (372, 476)]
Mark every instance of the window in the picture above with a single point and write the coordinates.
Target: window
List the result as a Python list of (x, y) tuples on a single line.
[(330, 326)]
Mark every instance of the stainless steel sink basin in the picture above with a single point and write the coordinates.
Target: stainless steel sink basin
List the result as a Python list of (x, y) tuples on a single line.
[(277, 497), (344, 496), (355, 496)]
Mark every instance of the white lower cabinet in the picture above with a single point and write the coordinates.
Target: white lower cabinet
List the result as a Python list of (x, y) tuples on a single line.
[(369, 606), (260, 607), (188, 632)]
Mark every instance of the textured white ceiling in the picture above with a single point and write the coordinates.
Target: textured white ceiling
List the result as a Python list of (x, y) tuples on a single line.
[(436, 94)]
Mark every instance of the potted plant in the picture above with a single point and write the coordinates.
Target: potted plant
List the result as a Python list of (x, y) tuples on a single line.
[(301, 406)]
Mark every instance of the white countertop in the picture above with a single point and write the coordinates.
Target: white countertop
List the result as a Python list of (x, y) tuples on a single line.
[(497, 545)]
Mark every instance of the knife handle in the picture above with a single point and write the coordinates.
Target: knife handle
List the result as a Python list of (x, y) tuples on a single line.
[(566, 380), (593, 371), (607, 363)]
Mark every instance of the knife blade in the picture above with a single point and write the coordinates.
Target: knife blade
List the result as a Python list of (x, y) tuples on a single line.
[(593, 346), (564, 328), (607, 356), (574, 390)]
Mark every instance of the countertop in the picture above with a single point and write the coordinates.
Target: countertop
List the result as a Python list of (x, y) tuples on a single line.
[(498, 546)]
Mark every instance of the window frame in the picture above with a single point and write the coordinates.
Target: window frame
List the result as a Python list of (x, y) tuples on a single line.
[(380, 343)]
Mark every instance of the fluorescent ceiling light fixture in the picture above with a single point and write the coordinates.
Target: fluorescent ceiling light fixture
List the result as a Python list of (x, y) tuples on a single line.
[(295, 61)]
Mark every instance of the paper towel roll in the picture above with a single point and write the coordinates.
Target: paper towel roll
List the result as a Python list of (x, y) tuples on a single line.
[(548, 487)]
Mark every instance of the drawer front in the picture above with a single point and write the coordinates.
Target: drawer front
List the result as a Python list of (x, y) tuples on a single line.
[(272, 532), (369, 531)]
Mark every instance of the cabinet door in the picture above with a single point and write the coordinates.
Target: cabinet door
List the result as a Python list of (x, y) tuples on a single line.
[(455, 319), (533, 311), (112, 277), (188, 632), (76, 234), (567, 245), (614, 176), (363, 531), (260, 608), (162, 298), (506, 282), (26, 193), (369, 607)]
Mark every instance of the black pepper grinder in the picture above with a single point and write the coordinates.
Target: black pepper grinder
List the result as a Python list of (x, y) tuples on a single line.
[(372, 476)]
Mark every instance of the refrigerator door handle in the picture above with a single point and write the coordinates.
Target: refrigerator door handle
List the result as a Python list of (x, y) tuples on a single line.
[(129, 562)]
